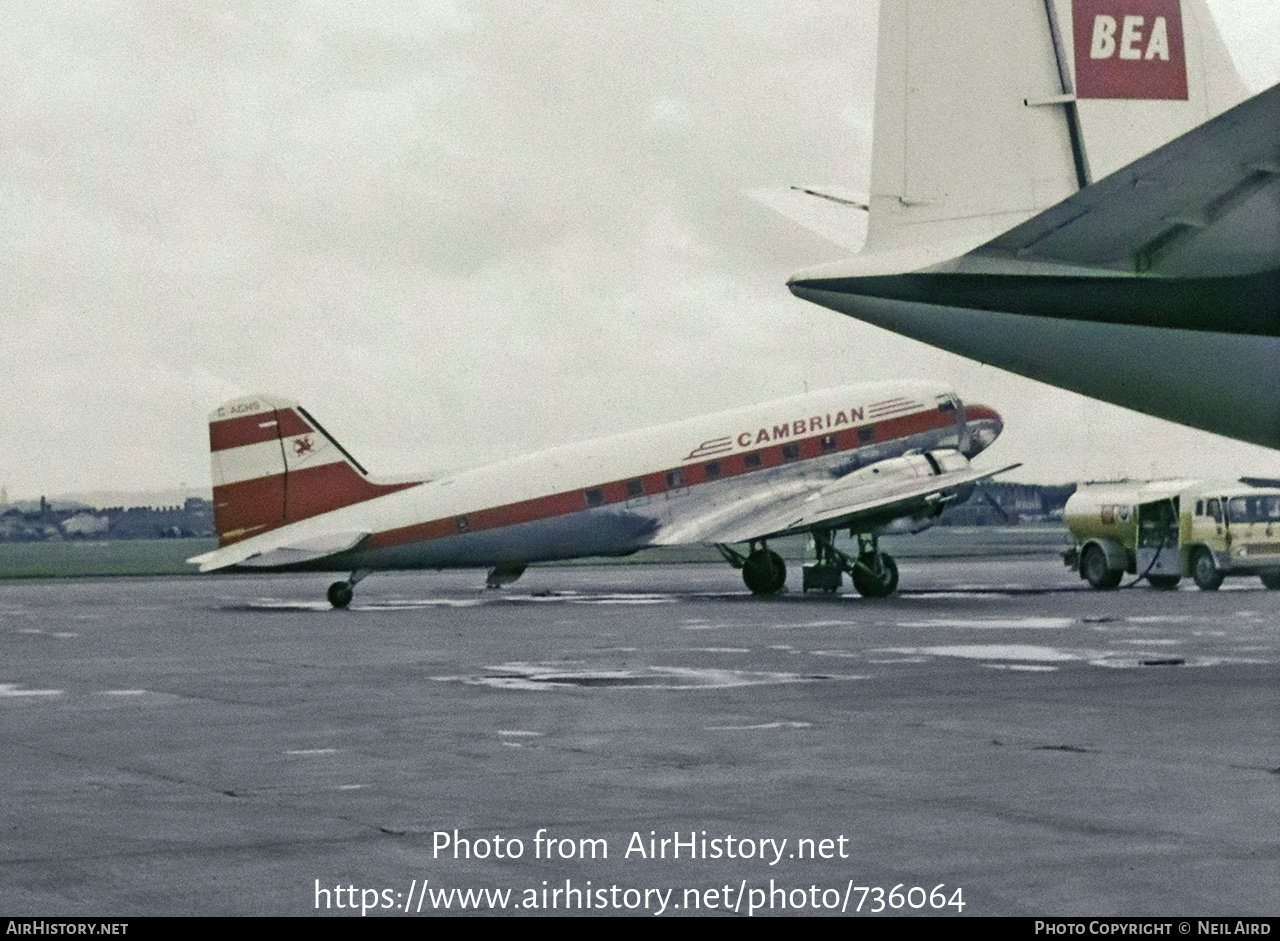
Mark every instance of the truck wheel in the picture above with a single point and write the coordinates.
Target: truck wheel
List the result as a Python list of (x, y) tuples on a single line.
[(1206, 574), (1164, 582), (1094, 568), (1271, 579)]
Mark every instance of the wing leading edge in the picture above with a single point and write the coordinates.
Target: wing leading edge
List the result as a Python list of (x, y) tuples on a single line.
[(918, 485)]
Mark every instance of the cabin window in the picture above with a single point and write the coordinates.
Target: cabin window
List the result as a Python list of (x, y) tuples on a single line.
[(675, 479), (635, 488), (463, 525), (828, 443), (790, 452), (713, 470), (595, 496), (1199, 508), (1214, 509), (866, 433), (751, 461)]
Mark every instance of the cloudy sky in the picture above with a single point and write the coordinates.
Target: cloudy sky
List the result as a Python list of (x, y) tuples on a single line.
[(455, 231)]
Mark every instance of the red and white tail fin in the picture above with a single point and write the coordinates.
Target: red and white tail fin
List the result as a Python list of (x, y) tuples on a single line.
[(273, 464)]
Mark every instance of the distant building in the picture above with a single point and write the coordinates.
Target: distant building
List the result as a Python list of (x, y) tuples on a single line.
[(996, 503), (85, 526), (76, 521)]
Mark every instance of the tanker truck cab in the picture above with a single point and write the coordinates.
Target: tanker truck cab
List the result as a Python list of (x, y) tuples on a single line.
[(1165, 530), (1234, 530)]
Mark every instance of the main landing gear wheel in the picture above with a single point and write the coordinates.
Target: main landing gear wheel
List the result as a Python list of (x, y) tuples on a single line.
[(764, 572), (340, 594), (1095, 570), (875, 575), (1206, 574), (1164, 582)]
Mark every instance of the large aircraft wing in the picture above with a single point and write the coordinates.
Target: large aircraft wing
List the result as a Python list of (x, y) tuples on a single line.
[(918, 485), (1206, 205), (1153, 288)]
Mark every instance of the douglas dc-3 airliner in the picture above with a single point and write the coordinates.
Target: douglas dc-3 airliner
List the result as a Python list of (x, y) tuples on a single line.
[(870, 459)]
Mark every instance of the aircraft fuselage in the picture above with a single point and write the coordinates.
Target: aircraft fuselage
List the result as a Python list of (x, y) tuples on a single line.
[(616, 495)]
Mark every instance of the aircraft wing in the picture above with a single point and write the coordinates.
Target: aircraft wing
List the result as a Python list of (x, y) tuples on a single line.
[(277, 549), (1206, 203), (1154, 288), (915, 485)]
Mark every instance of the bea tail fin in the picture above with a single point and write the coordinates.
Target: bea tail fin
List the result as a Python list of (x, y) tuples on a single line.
[(273, 464), (988, 113)]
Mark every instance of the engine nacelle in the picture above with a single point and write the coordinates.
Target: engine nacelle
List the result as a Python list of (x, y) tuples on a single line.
[(895, 472)]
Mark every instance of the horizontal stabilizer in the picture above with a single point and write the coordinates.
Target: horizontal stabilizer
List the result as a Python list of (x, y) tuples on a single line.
[(276, 550), (831, 212)]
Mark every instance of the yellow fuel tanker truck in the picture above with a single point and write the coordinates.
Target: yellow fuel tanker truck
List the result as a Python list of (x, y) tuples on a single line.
[(1162, 530)]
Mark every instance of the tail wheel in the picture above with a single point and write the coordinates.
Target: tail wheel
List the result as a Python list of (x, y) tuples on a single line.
[(1096, 571), (1164, 582), (1203, 570), (340, 594), (875, 575), (1271, 579), (764, 572)]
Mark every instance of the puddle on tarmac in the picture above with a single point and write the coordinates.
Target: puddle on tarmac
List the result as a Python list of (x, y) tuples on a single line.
[(554, 676), (999, 623), (573, 597), (11, 690), (1027, 653)]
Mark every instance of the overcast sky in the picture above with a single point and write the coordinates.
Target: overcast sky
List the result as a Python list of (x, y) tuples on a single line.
[(455, 231)]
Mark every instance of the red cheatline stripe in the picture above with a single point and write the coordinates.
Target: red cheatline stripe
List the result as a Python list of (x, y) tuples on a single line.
[(254, 429), (248, 508), (251, 507), (316, 490), (570, 501)]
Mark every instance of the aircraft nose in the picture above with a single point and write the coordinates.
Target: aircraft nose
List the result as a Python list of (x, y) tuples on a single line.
[(985, 425)]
